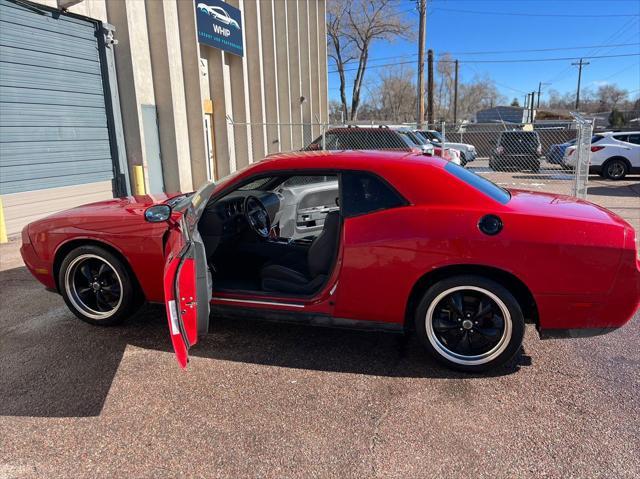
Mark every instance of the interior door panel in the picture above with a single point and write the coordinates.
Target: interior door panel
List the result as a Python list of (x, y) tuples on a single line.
[(304, 208)]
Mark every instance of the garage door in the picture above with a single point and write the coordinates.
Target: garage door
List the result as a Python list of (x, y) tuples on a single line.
[(55, 148)]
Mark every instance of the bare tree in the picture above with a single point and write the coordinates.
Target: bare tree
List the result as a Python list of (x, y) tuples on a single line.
[(340, 46), (609, 96), (606, 98), (394, 96), (336, 114), (445, 68), (480, 93), (352, 27)]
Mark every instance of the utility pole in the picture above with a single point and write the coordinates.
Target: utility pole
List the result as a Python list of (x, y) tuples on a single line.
[(533, 97), (430, 86), (525, 106), (422, 10), (579, 64), (455, 96), (540, 92)]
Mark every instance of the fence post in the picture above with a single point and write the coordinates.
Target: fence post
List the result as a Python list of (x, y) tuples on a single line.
[(444, 149), (323, 131), (583, 155)]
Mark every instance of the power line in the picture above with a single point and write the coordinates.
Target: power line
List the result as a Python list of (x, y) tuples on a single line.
[(492, 52), (620, 31), (527, 14), (523, 60), (628, 67), (498, 83), (545, 49)]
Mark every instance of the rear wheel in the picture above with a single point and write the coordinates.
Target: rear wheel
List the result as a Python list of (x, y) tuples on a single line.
[(97, 286), (470, 323), (615, 169)]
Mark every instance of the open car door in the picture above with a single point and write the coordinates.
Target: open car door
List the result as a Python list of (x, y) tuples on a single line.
[(187, 279)]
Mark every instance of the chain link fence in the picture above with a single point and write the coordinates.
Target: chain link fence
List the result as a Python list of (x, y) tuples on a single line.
[(518, 156)]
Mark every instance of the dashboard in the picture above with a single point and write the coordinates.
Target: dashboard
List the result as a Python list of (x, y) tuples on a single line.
[(225, 218)]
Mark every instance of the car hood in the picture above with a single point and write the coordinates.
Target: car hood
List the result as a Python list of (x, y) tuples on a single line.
[(103, 216), (129, 204), (561, 206), (464, 146)]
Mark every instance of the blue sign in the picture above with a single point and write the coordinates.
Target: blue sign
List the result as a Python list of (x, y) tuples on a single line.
[(219, 25)]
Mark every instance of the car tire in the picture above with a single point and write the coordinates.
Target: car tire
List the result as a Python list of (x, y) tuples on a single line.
[(455, 309), (96, 286), (463, 159), (615, 169), (535, 167)]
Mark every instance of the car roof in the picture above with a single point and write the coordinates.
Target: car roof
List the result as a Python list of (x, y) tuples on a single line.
[(351, 129), (346, 159), (419, 178), (610, 133)]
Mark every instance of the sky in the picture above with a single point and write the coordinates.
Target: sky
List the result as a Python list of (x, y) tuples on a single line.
[(467, 28)]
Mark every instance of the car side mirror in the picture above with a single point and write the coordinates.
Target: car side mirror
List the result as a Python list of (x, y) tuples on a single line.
[(157, 213), (427, 150)]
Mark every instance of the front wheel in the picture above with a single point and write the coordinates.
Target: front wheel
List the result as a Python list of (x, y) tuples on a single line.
[(97, 286), (470, 323)]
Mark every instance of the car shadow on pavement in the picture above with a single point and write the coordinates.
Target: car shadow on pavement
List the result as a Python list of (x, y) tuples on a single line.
[(549, 176), (54, 365), (618, 191)]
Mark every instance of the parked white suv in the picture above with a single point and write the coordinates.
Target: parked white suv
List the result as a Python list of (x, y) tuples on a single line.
[(467, 152), (613, 154)]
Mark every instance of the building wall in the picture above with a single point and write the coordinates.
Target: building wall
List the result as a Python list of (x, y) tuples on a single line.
[(167, 83), (159, 62)]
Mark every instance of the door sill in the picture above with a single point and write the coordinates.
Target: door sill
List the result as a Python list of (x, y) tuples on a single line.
[(300, 317)]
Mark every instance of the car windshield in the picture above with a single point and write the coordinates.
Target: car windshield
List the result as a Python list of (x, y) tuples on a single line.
[(411, 139), (436, 135), (479, 183)]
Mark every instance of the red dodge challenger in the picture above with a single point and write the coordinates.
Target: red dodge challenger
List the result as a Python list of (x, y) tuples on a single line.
[(378, 240)]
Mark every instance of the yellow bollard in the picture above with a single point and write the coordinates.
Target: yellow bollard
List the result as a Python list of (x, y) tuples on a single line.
[(138, 180), (3, 225)]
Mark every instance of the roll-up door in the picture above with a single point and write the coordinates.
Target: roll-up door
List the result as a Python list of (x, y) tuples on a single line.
[(55, 146)]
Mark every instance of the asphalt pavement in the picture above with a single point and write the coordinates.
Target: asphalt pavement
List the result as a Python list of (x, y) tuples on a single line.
[(273, 400)]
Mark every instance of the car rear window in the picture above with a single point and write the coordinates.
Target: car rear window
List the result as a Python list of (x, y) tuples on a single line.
[(481, 184), (530, 137), (364, 139)]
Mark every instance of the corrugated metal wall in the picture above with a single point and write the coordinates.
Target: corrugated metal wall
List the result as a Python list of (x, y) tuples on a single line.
[(53, 122)]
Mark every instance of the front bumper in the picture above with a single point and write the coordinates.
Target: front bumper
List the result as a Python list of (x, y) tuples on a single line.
[(40, 269)]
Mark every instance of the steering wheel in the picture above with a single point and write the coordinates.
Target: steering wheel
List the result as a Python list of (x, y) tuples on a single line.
[(257, 216)]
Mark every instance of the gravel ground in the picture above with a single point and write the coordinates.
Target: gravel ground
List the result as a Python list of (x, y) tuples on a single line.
[(270, 400)]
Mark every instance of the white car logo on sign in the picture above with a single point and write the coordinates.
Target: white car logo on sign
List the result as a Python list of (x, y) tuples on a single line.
[(219, 14)]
